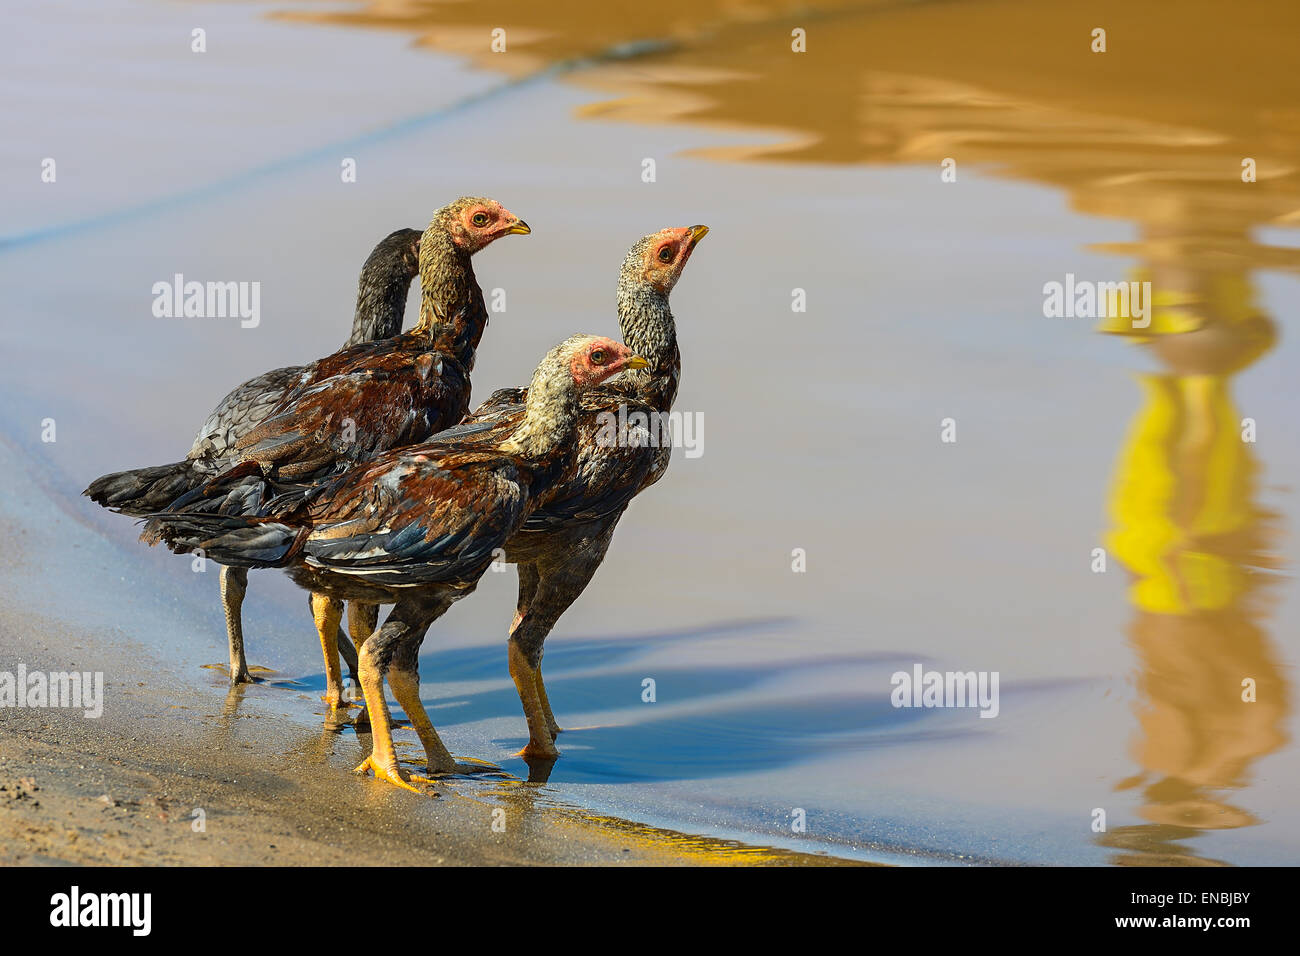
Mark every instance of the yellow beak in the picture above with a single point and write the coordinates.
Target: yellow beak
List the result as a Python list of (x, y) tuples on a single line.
[(519, 229), (698, 233), (637, 361)]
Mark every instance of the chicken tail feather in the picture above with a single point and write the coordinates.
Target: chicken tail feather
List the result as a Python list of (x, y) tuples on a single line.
[(142, 491), (227, 539)]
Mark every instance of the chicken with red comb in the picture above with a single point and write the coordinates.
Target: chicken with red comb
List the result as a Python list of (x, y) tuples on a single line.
[(563, 542), (417, 526), (368, 397)]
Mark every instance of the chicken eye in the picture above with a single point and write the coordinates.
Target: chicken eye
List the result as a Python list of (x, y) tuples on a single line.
[(480, 219), (666, 254), (598, 357)]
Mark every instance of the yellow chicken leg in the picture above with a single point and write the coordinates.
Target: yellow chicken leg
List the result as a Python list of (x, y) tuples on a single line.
[(383, 757), (545, 703), (541, 743), (326, 612), (406, 688)]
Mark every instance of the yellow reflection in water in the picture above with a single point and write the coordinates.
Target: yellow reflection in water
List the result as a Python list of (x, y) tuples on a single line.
[(1186, 524)]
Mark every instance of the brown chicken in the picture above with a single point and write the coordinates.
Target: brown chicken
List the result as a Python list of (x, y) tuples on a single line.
[(416, 526), (369, 397), (381, 301), (564, 540)]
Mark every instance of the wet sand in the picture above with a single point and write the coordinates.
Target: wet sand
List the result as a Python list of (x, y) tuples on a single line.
[(125, 792)]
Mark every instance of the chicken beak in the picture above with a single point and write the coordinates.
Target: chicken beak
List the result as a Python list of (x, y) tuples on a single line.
[(520, 228), (698, 233), (636, 361)]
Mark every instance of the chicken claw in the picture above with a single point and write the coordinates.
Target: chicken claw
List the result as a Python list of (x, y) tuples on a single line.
[(394, 775)]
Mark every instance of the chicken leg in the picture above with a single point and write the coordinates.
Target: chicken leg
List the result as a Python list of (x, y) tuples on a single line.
[(548, 586), (326, 612), (391, 652), (234, 585), (363, 619)]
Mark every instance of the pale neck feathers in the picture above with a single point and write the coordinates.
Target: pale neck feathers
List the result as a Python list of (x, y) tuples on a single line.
[(551, 410), (648, 328)]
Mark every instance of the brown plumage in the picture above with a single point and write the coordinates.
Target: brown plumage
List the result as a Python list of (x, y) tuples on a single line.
[(416, 526), (368, 397), (381, 301), (562, 543), (372, 396)]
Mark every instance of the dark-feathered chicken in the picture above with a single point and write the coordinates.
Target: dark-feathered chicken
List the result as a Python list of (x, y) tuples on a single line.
[(564, 540), (416, 526), (381, 301), (369, 397)]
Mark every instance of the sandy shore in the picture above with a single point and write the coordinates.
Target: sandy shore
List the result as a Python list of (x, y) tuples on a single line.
[(125, 789)]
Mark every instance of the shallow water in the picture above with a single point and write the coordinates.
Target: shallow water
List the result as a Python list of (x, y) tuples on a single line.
[(820, 171)]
